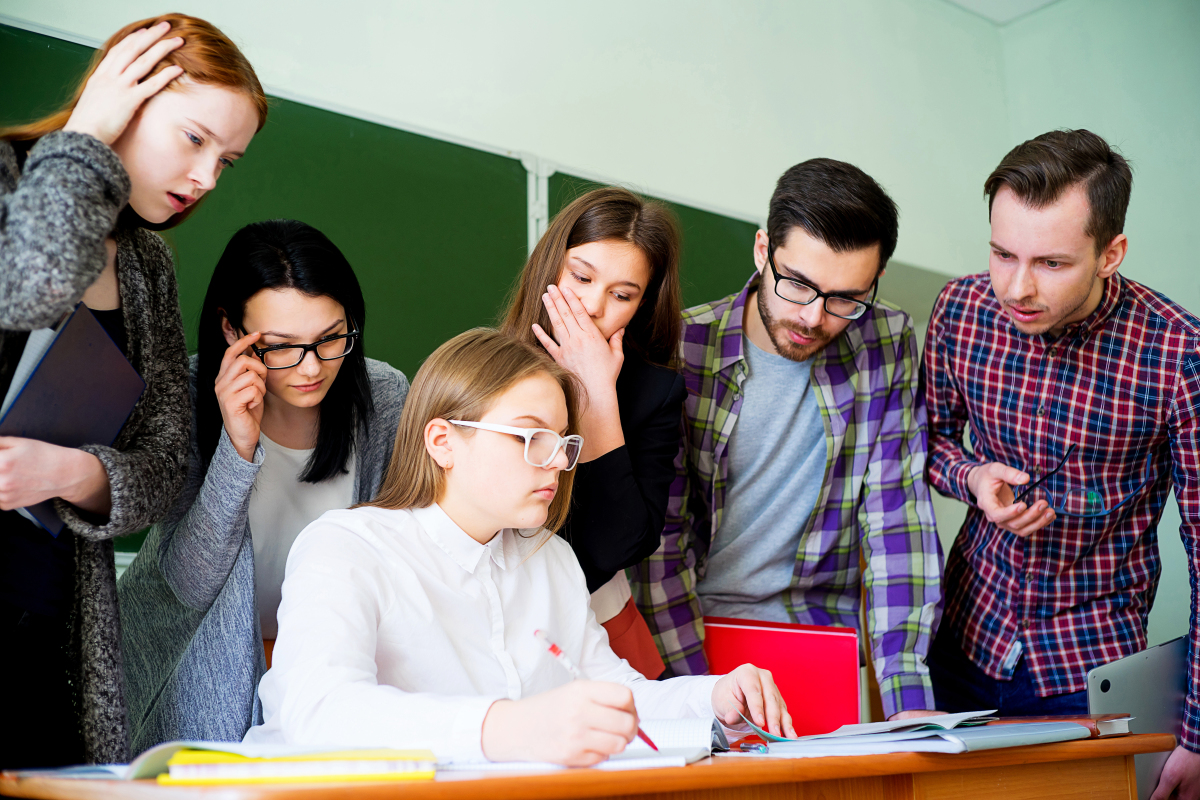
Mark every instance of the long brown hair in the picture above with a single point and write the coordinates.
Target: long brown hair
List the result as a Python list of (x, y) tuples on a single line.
[(207, 56), (462, 380), (608, 213)]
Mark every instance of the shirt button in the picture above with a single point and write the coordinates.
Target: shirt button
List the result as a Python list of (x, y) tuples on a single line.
[(1041, 411), (1023, 624)]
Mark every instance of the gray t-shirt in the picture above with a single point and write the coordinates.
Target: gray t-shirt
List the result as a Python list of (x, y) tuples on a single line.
[(776, 467)]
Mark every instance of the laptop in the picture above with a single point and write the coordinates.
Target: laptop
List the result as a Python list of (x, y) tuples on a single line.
[(1150, 685)]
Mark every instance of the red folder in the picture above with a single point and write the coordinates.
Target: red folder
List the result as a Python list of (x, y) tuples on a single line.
[(815, 667)]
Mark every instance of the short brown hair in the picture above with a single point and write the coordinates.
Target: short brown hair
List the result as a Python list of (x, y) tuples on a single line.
[(1040, 170), (836, 203), (608, 213), (462, 380)]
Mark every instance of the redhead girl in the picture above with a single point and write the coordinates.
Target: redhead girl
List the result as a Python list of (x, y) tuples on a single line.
[(410, 622), (167, 105), (601, 294)]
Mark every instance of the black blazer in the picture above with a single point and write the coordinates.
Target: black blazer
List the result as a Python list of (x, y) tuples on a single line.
[(620, 499)]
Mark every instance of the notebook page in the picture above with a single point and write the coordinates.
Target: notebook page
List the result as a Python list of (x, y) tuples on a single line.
[(689, 733)]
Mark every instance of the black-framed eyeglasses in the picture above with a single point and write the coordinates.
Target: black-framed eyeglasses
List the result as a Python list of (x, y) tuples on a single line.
[(1071, 500), (286, 356), (797, 291)]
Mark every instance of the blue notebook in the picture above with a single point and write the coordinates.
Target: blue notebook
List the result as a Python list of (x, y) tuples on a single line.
[(78, 390)]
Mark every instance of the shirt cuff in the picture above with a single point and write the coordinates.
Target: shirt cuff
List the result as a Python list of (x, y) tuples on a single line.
[(956, 476), (906, 691), (1190, 737), (467, 730)]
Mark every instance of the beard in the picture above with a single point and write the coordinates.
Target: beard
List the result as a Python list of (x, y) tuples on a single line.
[(776, 329)]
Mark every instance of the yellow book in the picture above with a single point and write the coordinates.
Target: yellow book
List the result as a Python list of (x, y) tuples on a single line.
[(197, 767)]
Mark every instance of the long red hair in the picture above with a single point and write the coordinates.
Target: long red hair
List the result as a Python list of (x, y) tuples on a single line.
[(206, 56)]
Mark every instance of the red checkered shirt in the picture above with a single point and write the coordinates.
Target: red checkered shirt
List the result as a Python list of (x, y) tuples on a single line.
[(1124, 386)]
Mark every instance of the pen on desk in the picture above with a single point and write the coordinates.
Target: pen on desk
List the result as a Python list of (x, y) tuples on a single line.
[(570, 667)]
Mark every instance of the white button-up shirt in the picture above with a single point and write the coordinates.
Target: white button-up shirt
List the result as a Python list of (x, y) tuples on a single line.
[(397, 629)]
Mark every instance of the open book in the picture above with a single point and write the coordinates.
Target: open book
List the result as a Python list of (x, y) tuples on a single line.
[(948, 733), (679, 742), (942, 721), (196, 762)]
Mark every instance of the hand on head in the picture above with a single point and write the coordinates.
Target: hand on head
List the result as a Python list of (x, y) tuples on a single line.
[(116, 90), (578, 724), (241, 387), (752, 691), (992, 486)]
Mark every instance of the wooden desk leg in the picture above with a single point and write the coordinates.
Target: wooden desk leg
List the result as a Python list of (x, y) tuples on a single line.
[(1131, 773)]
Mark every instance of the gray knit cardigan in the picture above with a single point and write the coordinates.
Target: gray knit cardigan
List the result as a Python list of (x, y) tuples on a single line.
[(54, 218), (192, 640)]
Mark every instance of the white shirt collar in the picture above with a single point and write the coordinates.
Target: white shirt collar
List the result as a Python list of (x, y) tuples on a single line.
[(460, 546)]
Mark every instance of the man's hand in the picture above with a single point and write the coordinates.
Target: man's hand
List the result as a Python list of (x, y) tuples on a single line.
[(915, 714), (1181, 774), (992, 486)]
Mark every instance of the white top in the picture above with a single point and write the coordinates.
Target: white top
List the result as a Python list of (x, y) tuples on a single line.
[(610, 599), (280, 507), (397, 629)]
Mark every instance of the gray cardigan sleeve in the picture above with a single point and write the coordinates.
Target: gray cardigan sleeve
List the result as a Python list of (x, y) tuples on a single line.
[(54, 219), (200, 539)]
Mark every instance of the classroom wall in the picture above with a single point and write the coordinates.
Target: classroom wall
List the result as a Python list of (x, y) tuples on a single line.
[(702, 101), (1130, 72)]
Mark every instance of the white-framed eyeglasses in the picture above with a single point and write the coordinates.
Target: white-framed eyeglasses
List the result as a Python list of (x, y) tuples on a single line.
[(541, 444)]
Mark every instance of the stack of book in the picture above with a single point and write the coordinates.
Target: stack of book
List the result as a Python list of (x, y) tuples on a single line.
[(206, 767)]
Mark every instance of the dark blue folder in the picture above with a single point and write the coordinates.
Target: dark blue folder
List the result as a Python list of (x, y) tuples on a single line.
[(81, 392)]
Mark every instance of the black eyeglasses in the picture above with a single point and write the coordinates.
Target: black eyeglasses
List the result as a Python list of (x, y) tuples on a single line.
[(1071, 501), (797, 291), (286, 356)]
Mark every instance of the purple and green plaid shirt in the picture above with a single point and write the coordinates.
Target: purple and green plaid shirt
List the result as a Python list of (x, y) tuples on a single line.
[(873, 498)]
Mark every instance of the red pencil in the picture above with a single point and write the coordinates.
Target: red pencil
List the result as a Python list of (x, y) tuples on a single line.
[(557, 652)]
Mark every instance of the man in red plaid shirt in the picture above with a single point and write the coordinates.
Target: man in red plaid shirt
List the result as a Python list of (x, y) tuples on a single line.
[(1082, 390)]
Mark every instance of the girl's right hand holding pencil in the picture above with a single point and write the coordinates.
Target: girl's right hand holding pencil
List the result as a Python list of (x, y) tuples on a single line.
[(579, 724)]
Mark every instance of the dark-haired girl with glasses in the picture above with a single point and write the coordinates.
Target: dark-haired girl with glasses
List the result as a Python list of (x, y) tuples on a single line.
[(291, 420)]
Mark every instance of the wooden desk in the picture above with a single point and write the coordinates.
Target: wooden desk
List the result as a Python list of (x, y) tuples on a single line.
[(1092, 769)]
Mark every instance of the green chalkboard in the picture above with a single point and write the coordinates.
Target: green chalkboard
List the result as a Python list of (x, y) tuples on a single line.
[(716, 255), (436, 231)]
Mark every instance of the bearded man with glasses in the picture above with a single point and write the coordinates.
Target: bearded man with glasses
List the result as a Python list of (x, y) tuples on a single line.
[(804, 446)]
